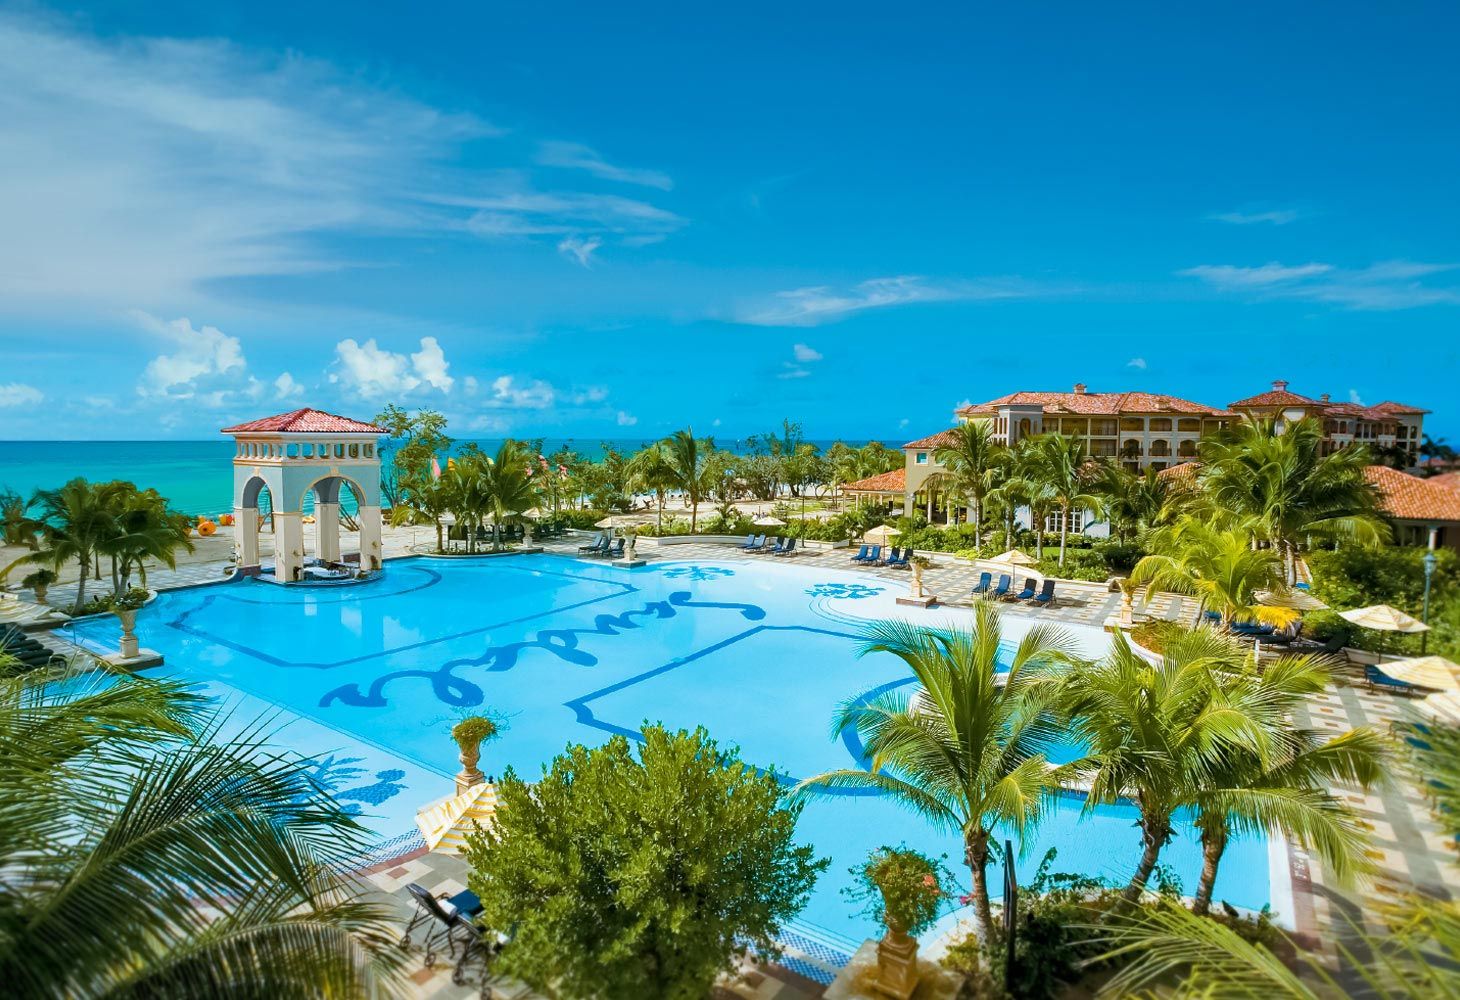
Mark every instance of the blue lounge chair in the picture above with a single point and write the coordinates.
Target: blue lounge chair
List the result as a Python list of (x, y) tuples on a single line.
[(759, 544), (789, 549), (776, 549), (1002, 590), (749, 543), (1378, 678), (1045, 596), (616, 552), (875, 556), (906, 559), (861, 555), (985, 581), (893, 557), (597, 548), (1027, 592)]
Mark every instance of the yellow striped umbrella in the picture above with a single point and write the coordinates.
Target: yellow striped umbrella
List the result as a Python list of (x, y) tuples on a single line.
[(446, 824), (1426, 671)]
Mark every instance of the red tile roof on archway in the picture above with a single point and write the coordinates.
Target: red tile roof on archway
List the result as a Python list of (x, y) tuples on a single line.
[(305, 421)]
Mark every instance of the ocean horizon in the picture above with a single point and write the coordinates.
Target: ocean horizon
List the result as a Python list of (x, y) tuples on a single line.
[(197, 476)]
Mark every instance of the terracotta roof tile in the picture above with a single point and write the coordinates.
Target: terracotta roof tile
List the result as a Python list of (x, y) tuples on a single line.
[(1411, 498), (1449, 480), (888, 482), (1185, 472), (304, 421), (942, 439), (1275, 397), (1389, 406), (1096, 403)]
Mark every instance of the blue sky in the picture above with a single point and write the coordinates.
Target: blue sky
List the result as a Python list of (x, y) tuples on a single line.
[(609, 221)]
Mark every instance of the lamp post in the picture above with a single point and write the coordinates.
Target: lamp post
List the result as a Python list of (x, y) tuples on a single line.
[(1429, 562)]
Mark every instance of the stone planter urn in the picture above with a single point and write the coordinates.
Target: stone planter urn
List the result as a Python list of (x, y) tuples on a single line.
[(897, 963), (917, 579), (128, 618), (469, 735), (630, 545)]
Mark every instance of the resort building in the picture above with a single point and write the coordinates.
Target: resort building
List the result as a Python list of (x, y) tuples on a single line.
[(1394, 429), (1140, 430)]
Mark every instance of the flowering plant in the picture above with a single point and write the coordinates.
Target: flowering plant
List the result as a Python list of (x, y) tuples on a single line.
[(901, 888)]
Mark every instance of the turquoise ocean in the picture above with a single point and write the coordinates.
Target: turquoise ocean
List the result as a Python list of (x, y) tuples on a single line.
[(197, 476)]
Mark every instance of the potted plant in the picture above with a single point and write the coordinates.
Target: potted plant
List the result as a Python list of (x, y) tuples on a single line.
[(470, 733), (38, 582), (904, 890), (919, 563), (125, 607)]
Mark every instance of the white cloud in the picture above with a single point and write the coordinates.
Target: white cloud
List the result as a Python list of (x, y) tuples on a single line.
[(431, 365), (1353, 397), (580, 250), (902, 424), (575, 156), (372, 371), (19, 394), (819, 304), (626, 419), (534, 395), (793, 371), (805, 353), (526, 213), (200, 355), (1386, 285), (286, 388), (1276, 217), (1273, 273), (1136, 363), (591, 394), (470, 385)]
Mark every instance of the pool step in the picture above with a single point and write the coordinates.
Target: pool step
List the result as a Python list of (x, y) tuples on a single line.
[(815, 952)]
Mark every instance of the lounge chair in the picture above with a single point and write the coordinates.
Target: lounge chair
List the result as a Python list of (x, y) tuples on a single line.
[(893, 558), (777, 544), (1252, 628), (906, 560), (1045, 597), (788, 550), (749, 543), (597, 545), (1332, 647), (1376, 677), (985, 581), (874, 556), (759, 544), (1002, 590), (439, 923), (616, 551), (861, 555), (1028, 591)]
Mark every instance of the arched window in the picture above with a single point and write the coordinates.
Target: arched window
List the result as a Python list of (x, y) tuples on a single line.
[(1161, 448), (1187, 449)]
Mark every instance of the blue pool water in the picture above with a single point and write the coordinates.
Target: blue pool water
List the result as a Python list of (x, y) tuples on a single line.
[(760, 653)]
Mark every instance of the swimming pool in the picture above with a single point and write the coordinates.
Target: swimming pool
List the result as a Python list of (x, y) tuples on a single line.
[(761, 653)]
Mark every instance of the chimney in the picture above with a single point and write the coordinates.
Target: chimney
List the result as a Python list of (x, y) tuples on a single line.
[(1079, 388), (1323, 398), (1280, 384)]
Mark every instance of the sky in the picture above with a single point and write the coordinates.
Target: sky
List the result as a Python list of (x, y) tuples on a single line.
[(605, 220)]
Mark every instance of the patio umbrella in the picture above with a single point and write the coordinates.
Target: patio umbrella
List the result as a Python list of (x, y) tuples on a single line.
[(1383, 618), (1426, 671), (881, 534), (446, 824), (769, 521), (1013, 557), (1298, 600)]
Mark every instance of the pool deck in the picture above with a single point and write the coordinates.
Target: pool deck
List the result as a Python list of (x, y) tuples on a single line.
[(1411, 852)]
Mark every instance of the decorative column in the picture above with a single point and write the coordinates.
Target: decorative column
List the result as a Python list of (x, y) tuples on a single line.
[(288, 545), (370, 552), (327, 529), (246, 536)]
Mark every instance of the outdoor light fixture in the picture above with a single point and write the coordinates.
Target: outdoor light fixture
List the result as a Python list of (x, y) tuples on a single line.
[(1429, 562)]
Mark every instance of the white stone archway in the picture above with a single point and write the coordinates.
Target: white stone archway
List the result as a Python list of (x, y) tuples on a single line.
[(294, 454)]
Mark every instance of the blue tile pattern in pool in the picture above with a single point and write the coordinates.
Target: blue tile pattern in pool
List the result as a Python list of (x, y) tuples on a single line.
[(564, 651)]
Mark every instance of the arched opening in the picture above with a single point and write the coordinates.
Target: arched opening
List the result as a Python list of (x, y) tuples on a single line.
[(254, 514), (331, 531)]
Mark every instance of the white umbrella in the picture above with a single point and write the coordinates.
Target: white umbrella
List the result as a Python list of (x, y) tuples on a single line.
[(769, 521), (1298, 600), (1383, 618), (1426, 671), (881, 534), (1014, 557)]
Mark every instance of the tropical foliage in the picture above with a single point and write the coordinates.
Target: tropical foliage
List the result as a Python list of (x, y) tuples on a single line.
[(146, 855), (627, 876)]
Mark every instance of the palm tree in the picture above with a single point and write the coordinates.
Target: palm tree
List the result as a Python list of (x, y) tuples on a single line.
[(1152, 730), (1278, 485), (17, 527), (76, 521), (1137, 502), (1287, 790), (649, 469), (508, 488), (1056, 462), (1219, 566), (464, 485), (974, 461), (144, 856), (686, 458), (965, 752), (422, 497), (143, 528)]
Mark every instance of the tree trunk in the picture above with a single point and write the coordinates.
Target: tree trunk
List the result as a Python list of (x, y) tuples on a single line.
[(85, 561), (694, 512), (1038, 534), (977, 523), (440, 542), (1152, 851), (116, 577), (1064, 530), (659, 512), (1213, 844), (976, 856)]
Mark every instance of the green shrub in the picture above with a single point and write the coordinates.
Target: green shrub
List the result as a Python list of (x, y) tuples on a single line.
[(1354, 577), (901, 888)]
